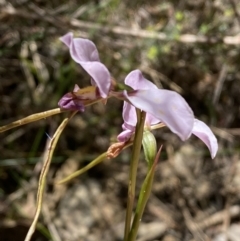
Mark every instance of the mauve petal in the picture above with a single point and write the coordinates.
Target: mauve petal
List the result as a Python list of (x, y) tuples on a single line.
[(167, 106), (84, 52), (67, 39), (151, 120), (80, 49), (136, 80), (100, 75), (124, 135), (129, 114), (130, 120), (125, 127), (203, 132), (130, 117), (68, 103)]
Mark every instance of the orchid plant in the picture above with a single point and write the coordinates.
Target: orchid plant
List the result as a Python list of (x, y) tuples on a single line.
[(145, 108)]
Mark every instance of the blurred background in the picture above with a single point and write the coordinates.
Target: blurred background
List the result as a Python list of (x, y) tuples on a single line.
[(192, 47)]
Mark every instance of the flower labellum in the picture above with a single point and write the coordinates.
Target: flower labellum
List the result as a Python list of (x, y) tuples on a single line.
[(79, 98)]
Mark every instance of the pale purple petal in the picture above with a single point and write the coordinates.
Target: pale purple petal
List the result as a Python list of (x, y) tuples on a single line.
[(130, 120), (67, 39), (84, 52), (136, 80), (81, 50), (151, 120), (167, 106), (100, 76), (203, 132), (125, 135), (129, 114)]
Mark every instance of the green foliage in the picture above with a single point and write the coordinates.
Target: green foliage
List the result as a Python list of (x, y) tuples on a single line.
[(152, 52), (179, 16)]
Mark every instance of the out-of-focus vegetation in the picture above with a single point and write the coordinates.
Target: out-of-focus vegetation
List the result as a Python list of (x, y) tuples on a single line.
[(192, 47)]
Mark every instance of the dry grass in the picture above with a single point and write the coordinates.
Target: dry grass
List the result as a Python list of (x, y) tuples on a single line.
[(192, 48)]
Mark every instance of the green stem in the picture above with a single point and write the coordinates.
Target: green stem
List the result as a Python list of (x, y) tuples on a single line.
[(93, 163), (133, 170), (84, 169), (143, 198)]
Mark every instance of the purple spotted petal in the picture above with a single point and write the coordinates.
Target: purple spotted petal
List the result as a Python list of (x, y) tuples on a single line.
[(84, 52), (204, 133), (167, 106)]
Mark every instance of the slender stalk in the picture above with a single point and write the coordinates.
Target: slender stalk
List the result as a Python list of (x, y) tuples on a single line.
[(160, 125), (133, 170), (31, 118), (44, 172), (84, 169), (93, 163), (42, 115), (143, 198)]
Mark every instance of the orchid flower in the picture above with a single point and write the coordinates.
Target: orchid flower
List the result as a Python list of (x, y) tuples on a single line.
[(163, 106), (84, 52)]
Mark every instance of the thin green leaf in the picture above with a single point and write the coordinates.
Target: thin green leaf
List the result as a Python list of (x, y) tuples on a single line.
[(84, 169), (93, 163)]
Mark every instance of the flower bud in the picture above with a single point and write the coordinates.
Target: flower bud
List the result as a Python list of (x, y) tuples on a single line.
[(149, 147)]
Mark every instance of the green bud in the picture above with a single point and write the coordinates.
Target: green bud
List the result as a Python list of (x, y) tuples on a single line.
[(149, 146)]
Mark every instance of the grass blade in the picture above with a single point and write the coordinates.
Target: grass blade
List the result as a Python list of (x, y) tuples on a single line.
[(31, 118), (44, 172)]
